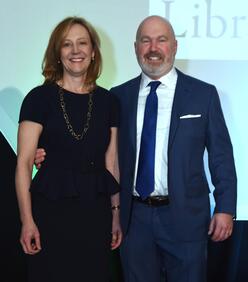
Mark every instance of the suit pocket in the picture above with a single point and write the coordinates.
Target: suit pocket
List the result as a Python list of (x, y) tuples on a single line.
[(194, 127)]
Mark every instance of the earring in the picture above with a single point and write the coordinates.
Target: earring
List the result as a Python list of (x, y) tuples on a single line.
[(92, 59), (58, 62)]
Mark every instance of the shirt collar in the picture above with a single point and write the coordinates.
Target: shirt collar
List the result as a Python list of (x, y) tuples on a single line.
[(168, 80)]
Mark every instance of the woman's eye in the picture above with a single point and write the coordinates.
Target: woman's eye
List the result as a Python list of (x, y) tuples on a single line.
[(66, 44)]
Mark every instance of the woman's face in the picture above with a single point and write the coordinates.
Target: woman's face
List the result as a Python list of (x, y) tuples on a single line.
[(76, 52)]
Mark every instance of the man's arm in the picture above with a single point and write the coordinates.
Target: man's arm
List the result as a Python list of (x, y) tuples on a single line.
[(223, 174), (40, 155)]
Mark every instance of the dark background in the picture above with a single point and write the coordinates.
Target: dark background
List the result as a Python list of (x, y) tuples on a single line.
[(227, 261)]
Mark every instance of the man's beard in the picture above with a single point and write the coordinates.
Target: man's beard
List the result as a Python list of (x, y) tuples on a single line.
[(153, 71), (156, 69)]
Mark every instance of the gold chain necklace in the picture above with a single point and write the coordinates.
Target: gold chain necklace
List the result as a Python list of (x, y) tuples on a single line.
[(66, 117)]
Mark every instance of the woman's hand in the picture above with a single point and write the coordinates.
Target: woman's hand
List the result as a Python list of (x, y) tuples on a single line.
[(116, 230), (30, 238)]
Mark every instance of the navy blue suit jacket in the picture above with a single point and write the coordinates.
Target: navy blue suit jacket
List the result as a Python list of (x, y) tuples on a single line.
[(189, 207)]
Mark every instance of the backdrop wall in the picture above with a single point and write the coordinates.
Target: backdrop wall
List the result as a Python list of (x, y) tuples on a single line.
[(212, 38)]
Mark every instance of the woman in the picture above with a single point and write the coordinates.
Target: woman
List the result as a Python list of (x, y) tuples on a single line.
[(69, 207)]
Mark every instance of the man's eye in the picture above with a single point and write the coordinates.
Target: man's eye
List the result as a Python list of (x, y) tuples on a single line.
[(144, 41), (162, 39)]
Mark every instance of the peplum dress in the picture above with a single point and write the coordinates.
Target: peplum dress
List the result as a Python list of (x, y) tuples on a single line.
[(71, 191)]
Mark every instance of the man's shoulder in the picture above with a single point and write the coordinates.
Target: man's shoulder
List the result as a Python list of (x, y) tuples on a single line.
[(182, 77), (127, 84)]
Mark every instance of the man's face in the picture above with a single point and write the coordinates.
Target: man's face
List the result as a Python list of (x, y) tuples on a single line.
[(155, 47)]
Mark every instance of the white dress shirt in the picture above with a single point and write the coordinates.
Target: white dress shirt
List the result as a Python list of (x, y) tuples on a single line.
[(165, 93)]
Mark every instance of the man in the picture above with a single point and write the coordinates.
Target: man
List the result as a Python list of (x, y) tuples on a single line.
[(168, 231), (165, 210)]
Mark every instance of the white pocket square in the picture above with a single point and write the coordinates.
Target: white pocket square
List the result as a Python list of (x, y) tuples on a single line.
[(190, 116)]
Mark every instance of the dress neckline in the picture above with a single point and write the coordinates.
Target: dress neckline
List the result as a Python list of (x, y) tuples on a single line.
[(68, 92)]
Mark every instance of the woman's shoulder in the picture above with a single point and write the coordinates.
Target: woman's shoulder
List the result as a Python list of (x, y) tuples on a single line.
[(36, 104), (105, 94), (41, 92), (101, 91), (43, 89)]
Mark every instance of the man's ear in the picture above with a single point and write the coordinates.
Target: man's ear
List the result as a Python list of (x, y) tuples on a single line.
[(135, 47)]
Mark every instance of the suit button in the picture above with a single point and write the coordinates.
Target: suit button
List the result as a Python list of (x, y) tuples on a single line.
[(92, 163)]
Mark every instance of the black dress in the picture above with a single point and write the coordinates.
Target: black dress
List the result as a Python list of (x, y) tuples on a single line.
[(71, 192)]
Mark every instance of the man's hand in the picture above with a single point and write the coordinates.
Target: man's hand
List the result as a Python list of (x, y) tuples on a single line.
[(221, 226), (39, 157)]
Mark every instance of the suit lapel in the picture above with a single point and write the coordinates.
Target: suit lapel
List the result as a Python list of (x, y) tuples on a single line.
[(181, 98), (133, 94)]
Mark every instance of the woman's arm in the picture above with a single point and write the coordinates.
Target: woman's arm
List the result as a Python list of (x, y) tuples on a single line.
[(113, 167), (28, 136)]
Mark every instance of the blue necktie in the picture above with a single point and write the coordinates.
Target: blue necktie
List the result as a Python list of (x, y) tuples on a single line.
[(145, 173)]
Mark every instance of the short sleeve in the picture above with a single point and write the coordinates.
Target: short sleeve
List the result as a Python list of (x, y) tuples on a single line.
[(114, 111), (33, 107)]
